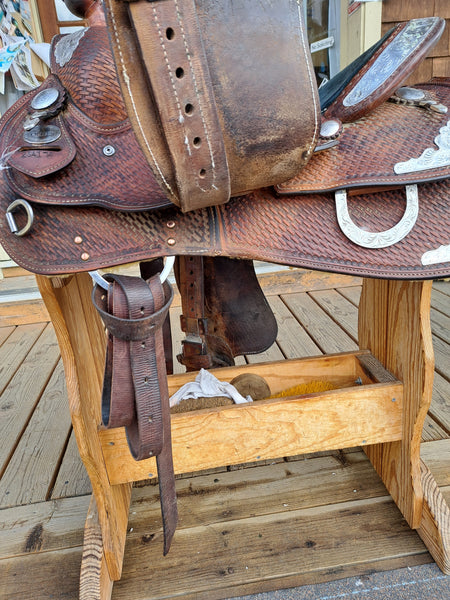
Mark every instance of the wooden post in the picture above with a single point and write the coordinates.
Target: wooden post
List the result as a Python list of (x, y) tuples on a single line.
[(394, 324), (81, 339)]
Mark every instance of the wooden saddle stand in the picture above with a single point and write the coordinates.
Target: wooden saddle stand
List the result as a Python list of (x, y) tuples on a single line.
[(195, 130)]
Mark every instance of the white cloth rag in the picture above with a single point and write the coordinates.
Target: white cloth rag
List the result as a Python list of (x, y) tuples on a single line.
[(206, 385)]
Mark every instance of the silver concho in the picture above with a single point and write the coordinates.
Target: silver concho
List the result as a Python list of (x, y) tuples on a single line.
[(330, 128), (67, 45), (430, 158), (45, 99), (380, 239), (42, 134), (410, 94), (390, 59)]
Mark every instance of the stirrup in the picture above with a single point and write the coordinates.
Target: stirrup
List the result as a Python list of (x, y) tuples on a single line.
[(101, 281)]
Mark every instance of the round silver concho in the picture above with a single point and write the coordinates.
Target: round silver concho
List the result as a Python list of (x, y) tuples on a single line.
[(45, 99), (42, 134)]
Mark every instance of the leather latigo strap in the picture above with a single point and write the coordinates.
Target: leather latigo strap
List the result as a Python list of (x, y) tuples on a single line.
[(135, 393), (202, 62), (172, 51)]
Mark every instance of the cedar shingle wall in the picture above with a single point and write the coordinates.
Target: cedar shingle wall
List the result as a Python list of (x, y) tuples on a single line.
[(438, 62)]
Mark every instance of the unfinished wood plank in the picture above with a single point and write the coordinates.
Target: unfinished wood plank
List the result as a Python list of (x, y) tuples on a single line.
[(440, 325), (267, 429), (339, 309), (229, 561), (217, 497), (272, 354), (24, 391), (435, 526), (5, 332), (42, 527), (23, 313), (302, 280), (95, 582), (432, 431), (292, 338), (72, 478), (436, 455), (82, 343), (15, 349), (352, 293), (31, 470), (202, 496), (440, 405), (394, 324), (275, 550), (442, 285), (341, 370), (440, 301), (441, 357), (322, 329)]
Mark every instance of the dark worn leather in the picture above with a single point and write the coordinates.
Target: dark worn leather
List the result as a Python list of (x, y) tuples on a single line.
[(93, 119), (135, 393), (369, 148), (290, 229), (257, 57), (299, 231), (174, 59), (221, 318)]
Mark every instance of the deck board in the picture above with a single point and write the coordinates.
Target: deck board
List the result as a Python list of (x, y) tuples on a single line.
[(250, 528)]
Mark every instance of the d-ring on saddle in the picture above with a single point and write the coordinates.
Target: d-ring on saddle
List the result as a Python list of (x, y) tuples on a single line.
[(195, 129)]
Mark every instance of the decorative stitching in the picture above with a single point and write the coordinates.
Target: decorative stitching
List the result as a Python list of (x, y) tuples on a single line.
[(188, 55), (181, 118), (130, 94), (306, 52)]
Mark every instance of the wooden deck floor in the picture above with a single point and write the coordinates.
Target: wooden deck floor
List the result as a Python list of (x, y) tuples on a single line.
[(258, 527)]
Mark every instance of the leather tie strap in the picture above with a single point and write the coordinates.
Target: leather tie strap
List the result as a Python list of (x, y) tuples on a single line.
[(172, 52), (135, 393)]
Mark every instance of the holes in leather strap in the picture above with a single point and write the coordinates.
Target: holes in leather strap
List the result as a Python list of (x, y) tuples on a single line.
[(197, 141), (179, 73), (170, 33), (189, 108), (202, 173)]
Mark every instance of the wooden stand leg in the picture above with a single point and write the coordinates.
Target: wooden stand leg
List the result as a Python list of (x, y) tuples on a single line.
[(394, 324), (81, 339)]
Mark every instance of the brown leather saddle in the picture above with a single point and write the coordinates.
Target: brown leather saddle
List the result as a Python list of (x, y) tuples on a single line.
[(195, 129)]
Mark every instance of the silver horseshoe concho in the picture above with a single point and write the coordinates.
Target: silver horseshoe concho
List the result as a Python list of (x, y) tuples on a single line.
[(380, 239)]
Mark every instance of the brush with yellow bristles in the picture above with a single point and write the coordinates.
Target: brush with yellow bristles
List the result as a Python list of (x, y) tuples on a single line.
[(312, 387)]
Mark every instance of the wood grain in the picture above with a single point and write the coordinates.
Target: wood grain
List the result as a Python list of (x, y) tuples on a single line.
[(29, 475), (24, 390), (394, 324), (82, 344), (267, 429)]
